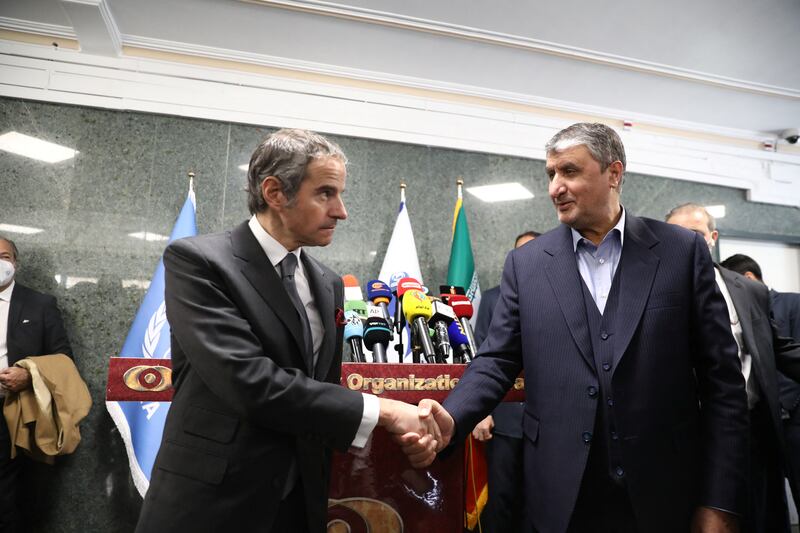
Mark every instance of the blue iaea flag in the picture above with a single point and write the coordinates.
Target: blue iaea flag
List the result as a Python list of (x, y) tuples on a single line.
[(141, 424)]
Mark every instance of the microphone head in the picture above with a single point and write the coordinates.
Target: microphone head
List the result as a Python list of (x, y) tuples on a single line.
[(456, 334), (461, 305), (416, 304), (407, 284), (352, 290), (442, 313), (378, 292), (376, 331), (357, 306), (353, 326)]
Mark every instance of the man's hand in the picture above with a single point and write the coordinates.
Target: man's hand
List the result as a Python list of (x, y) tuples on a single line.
[(422, 452), (708, 520), (15, 378), (402, 418), (483, 431)]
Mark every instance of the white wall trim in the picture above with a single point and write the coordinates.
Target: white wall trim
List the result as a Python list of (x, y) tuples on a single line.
[(397, 20), (111, 25), (41, 28), (148, 85)]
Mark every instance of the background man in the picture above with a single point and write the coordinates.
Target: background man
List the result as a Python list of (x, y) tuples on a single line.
[(502, 432), (635, 413), (30, 325), (759, 349), (257, 329), (786, 316)]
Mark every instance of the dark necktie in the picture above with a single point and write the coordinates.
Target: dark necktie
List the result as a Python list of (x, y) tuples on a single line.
[(288, 267)]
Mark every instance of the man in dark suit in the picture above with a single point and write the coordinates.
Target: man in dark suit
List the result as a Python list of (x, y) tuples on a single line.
[(502, 432), (30, 325), (760, 350), (786, 316), (635, 411), (256, 349)]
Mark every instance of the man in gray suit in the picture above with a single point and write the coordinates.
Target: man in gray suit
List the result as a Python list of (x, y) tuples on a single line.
[(256, 348)]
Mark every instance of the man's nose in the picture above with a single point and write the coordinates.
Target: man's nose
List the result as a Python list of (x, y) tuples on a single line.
[(339, 211), (556, 187)]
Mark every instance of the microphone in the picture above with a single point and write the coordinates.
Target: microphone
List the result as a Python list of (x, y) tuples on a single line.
[(352, 289), (353, 332), (459, 341), (462, 307), (417, 310), (403, 285), (441, 318), (379, 294), (358, 307), (377, 334)]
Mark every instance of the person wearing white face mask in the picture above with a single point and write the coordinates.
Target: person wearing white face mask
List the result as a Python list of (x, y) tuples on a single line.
[(30, 325)]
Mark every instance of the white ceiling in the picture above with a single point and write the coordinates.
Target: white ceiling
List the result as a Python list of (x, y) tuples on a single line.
[(722, 63)]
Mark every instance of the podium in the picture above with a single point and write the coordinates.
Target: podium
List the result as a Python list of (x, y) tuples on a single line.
[(373, 489)]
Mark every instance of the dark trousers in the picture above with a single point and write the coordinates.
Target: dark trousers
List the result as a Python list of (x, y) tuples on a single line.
[(291, 516), (10, 516), (767, 511), (603, 505), (791, 433), (504, 512)]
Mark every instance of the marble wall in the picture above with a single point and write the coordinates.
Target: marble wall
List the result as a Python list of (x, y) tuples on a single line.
[(130, 175)]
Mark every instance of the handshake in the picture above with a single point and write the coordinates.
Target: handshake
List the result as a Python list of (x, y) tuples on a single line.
[(421, 431)]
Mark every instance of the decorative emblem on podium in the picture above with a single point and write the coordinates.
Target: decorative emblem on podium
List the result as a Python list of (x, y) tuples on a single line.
[(362, 515), (146, 378)]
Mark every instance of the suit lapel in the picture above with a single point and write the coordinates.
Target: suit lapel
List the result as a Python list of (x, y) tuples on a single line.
[(740, 300), (261, 274), (637, 268), (15, 307), (322, 290), (565, 280)]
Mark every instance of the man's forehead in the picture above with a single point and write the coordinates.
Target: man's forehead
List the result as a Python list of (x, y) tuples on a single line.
[(571, 154)]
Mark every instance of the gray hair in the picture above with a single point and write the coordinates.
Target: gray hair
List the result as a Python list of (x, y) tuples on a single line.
[(690, 207), (14, 248), (285, 154), (602, 142)]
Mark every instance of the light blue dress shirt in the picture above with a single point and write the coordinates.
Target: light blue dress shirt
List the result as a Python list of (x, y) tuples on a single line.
[(598, 264)]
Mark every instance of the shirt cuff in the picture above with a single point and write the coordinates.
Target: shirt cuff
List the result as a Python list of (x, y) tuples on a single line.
[(369, 419)]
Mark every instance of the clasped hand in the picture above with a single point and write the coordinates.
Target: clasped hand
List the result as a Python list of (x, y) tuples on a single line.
[(420, 431)]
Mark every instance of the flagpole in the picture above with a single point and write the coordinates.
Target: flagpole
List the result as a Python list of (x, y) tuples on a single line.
[(399, 317), (459, 184), (191, 181), (402, 192)]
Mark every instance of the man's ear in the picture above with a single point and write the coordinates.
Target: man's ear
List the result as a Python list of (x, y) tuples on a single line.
[(750, 275), (272, 192), (615, 172)]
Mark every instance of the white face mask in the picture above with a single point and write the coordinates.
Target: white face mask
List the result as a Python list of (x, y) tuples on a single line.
[(6, 272)]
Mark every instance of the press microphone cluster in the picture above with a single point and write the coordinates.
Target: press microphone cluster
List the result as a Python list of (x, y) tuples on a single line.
[(440, 328)]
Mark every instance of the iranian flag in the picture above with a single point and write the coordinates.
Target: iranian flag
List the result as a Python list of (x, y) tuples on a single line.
[(461, 271)]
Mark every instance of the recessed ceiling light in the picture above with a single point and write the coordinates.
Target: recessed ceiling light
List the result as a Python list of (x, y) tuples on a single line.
[(244, 167), (34, 148), (147, 236), (12, 228), (501, 192), (716, 211)]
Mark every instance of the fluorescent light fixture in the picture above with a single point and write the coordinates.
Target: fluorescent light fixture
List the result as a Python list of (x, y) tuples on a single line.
[(12, 228), (136, 283), (71, 281), (34, 148), (147, 236), (244, 167), (716, 211), (501, 192)]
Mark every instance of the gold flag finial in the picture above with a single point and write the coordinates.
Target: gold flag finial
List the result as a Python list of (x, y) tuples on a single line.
[(191, 180)]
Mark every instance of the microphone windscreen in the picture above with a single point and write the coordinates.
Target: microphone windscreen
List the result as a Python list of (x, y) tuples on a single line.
[(416, 304), (376, 330), (456, 334), (359, 307), (407, 284), (461, 305), (352, 289), (353, 326), (378, 292)]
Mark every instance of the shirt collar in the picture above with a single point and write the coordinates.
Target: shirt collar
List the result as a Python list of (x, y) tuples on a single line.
[(620, 227), (275, 250), (6, 293)]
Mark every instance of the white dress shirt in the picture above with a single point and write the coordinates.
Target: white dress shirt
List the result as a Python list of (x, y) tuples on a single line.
[(5, 304), (276, 252)]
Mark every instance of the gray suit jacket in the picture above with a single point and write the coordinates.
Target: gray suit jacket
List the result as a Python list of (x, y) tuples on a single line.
[(244, 407)]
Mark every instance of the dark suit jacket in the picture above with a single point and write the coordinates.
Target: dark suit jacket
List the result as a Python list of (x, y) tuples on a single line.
[(35, 326), (244, 405), (760, 336), (786, 314), (672, 352)]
